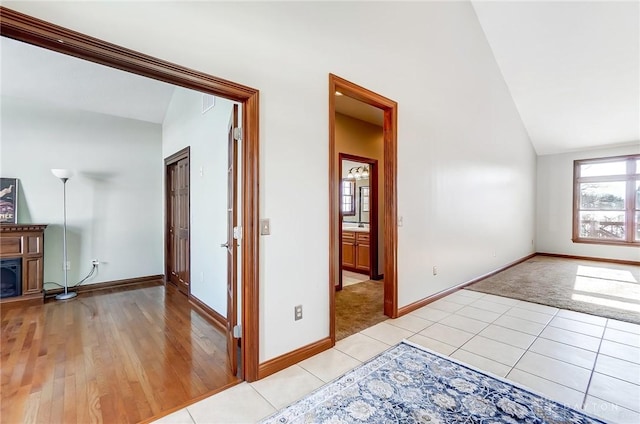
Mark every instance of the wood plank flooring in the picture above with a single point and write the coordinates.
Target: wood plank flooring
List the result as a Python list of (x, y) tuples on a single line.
[(110, 356)]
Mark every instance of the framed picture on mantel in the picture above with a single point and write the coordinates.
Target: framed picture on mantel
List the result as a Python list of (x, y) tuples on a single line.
[(8, 200)]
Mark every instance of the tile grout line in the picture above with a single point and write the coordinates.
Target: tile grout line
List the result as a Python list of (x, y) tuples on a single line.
[(604, 328), (488, 324), (193, 420), (548, 324), (536, 337), (350, 356), (268, 401), (555, 314), (534, 340), (593, 370)]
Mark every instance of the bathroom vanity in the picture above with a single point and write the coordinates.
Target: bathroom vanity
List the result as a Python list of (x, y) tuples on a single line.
[(355, 249)]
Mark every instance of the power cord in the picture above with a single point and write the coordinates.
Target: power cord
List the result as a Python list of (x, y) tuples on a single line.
[(89, 275)]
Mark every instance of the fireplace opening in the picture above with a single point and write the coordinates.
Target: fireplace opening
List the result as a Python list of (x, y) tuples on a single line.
[(10, 277)]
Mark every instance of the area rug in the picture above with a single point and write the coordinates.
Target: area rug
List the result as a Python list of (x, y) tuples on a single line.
[(599, 288), (359, 306), (410, 384)]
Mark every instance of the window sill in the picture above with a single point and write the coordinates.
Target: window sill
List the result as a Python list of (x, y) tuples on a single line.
[(607, 242)]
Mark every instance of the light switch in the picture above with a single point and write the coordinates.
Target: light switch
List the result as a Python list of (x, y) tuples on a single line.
[(265, 227)]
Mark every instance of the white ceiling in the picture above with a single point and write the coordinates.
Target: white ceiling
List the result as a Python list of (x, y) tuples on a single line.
[(35, 73), (573, 70)]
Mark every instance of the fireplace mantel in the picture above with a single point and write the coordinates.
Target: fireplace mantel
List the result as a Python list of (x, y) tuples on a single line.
[(25, 241), (12, 228)]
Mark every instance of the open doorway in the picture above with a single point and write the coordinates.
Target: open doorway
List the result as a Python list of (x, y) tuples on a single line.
[(375, 259), (52, 37), (359, 206), (360, 305)]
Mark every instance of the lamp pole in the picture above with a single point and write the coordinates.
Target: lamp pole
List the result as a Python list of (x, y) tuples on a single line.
[(64, 176)]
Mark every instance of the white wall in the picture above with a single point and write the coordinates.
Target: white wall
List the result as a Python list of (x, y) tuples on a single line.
[(555, 206), (206, 134), (466, 169), (114, 202)]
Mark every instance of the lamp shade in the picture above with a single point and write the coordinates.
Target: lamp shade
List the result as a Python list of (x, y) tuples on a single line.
[(62, 173)]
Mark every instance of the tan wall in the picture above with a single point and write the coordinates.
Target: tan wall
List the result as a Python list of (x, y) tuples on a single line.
[(361, 138)]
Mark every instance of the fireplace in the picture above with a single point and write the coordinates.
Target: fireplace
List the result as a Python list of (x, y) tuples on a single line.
[(10, 277)]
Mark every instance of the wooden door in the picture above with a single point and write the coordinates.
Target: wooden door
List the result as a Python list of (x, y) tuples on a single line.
[(177, 252), (231, 244)]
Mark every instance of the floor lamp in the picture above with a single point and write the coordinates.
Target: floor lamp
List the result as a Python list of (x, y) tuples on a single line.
[(64, 175)]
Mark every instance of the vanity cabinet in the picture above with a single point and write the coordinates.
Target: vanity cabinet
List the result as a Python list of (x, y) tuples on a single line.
[(348, 249), (356, 251), (362, 252)]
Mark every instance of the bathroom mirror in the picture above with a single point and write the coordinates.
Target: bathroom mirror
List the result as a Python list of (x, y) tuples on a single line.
[(355, 192)]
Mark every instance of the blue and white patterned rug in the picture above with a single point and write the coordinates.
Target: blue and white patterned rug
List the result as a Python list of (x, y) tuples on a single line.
[(409, 384)]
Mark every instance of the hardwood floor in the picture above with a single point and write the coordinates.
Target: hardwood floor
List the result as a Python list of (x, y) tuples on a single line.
[(112, 356)]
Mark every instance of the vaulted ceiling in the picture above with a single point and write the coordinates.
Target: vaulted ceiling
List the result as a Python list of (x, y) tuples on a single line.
[(573, 70)]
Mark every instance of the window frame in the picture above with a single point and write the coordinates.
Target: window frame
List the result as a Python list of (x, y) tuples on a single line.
[(630, 178), (352, 183)]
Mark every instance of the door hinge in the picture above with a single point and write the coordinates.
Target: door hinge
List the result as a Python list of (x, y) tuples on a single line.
[(237, 331), (237, 133), (237, 233)]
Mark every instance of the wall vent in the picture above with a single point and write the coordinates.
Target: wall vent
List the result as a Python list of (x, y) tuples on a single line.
[(208, 101)]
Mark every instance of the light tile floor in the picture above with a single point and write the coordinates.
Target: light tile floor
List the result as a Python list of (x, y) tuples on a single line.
[(581, 360), (349, 278)]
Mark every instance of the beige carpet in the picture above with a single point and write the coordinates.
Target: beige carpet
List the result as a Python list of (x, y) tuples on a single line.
[(359, 306), (599, 288)]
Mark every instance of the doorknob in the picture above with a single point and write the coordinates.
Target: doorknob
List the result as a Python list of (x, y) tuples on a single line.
[(225, 244)]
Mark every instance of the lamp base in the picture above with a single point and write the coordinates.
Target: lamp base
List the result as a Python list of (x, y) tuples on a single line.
[(65, 296)]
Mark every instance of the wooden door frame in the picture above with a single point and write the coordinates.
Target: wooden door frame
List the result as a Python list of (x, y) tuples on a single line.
[(373, 214), (168, 161), (390, 124), (43, 34)]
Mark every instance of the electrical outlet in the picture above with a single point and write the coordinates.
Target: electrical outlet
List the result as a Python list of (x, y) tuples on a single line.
[(435, 270), (297, 310), (95, 262), (68, 267)]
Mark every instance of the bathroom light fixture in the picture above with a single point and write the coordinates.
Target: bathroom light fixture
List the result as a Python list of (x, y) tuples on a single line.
[(358, 172), (64, 175)]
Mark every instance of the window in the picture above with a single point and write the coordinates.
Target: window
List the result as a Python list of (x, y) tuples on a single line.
[(364, 198), (607, 200), (347, 194)]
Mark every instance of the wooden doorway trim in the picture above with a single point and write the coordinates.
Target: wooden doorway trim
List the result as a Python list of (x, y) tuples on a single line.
[(390, 124), (53, 37)]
